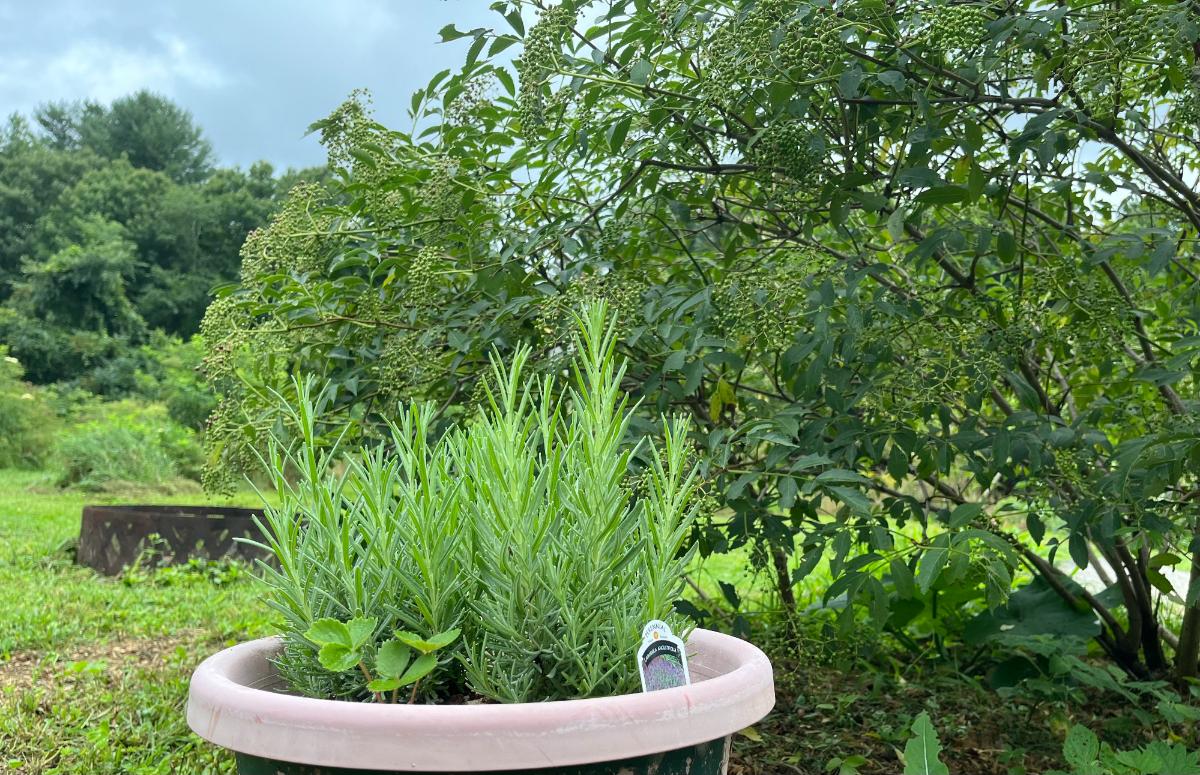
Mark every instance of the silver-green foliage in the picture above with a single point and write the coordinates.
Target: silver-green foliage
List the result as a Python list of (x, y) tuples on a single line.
[(524, 528), (376, 534)]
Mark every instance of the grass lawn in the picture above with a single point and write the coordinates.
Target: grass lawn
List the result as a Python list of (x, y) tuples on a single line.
[(94, 671)]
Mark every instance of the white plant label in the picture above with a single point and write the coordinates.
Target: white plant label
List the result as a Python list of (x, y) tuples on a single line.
[(662, 659)]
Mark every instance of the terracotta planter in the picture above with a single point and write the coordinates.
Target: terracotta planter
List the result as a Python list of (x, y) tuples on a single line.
[(236, 702)]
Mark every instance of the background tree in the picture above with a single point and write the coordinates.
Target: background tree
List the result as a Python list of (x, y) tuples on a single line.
[(114, 225), (924, 274), (33, 174), (147, 129)]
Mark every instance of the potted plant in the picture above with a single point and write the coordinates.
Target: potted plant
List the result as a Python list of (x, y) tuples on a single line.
[(474, 602)]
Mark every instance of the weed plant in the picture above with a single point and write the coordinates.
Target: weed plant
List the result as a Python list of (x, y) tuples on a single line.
[(125, 442), (523, 528), (26, 424)]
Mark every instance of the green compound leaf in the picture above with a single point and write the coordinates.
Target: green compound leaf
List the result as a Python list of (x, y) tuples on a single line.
[(337, 658), (930, 567), (325, 631), (640, 71), (964, 514), (922, 752), (392, 658)]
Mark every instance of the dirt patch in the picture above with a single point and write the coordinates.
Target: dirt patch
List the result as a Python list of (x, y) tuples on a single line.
[(25, 669)]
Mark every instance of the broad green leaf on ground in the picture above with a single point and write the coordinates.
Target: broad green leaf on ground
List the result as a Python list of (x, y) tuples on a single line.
[(922, 753), (1034, 609), (1081, 750)]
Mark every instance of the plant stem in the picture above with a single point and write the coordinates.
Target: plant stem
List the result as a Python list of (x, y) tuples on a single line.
[(363, 667), (413, 697), (1188, 650), (783, 579)]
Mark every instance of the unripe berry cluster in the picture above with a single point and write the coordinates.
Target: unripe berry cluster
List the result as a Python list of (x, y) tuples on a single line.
[(763, 305), (421, 271), (955, 28), (789, 147), (297, 239), (441, 197), (773, 40), (622, 292), (1186, 110), (537, 61), (406, 361), (346, 128), (475, 93), (1107, 45)]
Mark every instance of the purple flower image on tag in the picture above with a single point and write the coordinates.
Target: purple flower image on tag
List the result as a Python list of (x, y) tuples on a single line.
[(662, 667)]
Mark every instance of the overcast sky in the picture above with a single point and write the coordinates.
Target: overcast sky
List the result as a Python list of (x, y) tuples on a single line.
[(254, 73)]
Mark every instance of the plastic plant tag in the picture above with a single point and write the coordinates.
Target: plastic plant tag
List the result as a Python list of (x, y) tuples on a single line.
[(662, 659)]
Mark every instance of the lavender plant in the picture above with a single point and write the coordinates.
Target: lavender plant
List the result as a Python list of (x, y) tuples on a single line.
[(367, 536), (525, 528)]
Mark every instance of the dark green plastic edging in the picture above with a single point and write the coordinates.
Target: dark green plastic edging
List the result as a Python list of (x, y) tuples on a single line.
[(704, 759)]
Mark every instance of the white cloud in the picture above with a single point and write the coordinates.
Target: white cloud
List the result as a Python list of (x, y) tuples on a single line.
[(104, 71), (368, 20)]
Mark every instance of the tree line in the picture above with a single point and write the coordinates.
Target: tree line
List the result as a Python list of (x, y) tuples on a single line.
[(116, 223)]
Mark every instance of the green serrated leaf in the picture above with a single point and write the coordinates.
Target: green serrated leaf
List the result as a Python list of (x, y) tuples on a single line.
[(893, 79), (787, 491), (897, 463), (361, 629), (1077, 546), (450, 32), (895, 224), (1081, 748), (424, 646), (325, 631), (421, 667), (640, 71), (842, 476), (964, 514), (1006, 246), (443, 639), (380, 685), (392, 658), (944, 195), (1161, 583), (1036, 528), (857, 502), (902, 578), (336, 658), (849, 81), (922, 753)]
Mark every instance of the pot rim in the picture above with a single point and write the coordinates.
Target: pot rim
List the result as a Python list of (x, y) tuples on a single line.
[(732, 689)]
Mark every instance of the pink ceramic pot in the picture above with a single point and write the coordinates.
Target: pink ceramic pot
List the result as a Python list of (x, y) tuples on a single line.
[(236, 702)]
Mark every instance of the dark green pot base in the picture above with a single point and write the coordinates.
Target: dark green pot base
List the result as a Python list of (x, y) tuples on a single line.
[(704, 759)]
